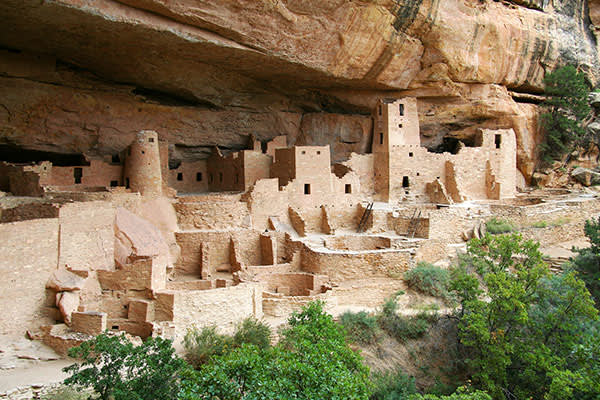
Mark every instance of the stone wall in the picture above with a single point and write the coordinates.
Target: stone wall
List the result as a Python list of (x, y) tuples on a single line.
[(29, 256), (189, 177), (87, 235), (212, 211), (222, 307), (346, 265)]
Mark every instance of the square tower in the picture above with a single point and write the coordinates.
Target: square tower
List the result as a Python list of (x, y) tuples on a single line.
[(395, 124)]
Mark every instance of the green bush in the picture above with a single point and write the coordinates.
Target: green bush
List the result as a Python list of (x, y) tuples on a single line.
[(67, 393), (202, 344), (311, 361), (361, 327), (460, 394), (392, 385), (118, 370), (496, 226), (400, 327), (428, 279), (252, 331)]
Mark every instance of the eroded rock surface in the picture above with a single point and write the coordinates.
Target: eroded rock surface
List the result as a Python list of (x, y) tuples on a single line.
[(82, 76)]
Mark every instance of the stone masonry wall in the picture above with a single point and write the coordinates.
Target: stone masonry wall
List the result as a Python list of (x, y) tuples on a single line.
[(29, 256)]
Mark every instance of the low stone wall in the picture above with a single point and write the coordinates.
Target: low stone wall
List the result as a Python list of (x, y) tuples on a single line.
[(357, 243), (346, 265)]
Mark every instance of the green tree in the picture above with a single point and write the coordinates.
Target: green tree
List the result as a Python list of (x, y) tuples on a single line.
[(567, 107), (587, 261), (311, 361), (521, 327), (117, 369)]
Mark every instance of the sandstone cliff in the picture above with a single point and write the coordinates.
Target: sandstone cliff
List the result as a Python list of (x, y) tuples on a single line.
[(82, 76)]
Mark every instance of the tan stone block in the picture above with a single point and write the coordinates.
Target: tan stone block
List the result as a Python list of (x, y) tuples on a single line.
[(90, 322)]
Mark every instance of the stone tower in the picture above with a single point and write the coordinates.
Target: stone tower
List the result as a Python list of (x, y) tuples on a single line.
[(142, 165), (396, 123)]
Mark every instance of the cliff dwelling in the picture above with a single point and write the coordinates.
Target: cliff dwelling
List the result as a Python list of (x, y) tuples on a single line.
[(130, 244)]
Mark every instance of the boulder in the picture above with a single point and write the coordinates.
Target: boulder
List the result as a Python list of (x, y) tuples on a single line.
[(594, 99), (585, 176), (137, 238), (67, 302), (594, 127), (63, 280)]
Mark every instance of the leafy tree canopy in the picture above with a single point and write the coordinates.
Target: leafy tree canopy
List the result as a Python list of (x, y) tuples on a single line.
[(567, 107), (526, 333), (311, 361)]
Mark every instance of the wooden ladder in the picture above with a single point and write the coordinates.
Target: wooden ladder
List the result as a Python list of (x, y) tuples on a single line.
[(364, 218), (414, 223)]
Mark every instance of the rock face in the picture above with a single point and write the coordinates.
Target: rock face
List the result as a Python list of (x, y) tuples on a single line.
[(82, 76)]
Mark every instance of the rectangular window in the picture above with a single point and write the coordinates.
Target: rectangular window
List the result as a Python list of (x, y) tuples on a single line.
[(497, 140), (379, 110), (236, 178), (198, 176), (114, 183), (307, 188), (151, 140), (77, 174), (127, 183), (179, 176), (210, 178), (348, 188), (399, 125), (381, 138), (220, 177), (401, 109), (405, 182)]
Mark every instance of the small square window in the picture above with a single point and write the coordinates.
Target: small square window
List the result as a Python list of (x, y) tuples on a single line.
[(114, 183), (179, 176), (399, 125), (410, 154), (318, 152), (303, 152), (151, 140)]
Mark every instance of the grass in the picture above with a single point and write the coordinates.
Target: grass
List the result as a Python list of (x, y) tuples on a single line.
[(554, 223), (497, 226), (429, 279)]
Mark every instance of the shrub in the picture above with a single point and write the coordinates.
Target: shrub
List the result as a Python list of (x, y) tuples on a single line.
[(540, 224), (392, 385), (118, 370), (428, 279), (202, 344), (252, 331), (460, 394), (400, 327), (66, 393), (496, 226), (311, 361), (361, 327)]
